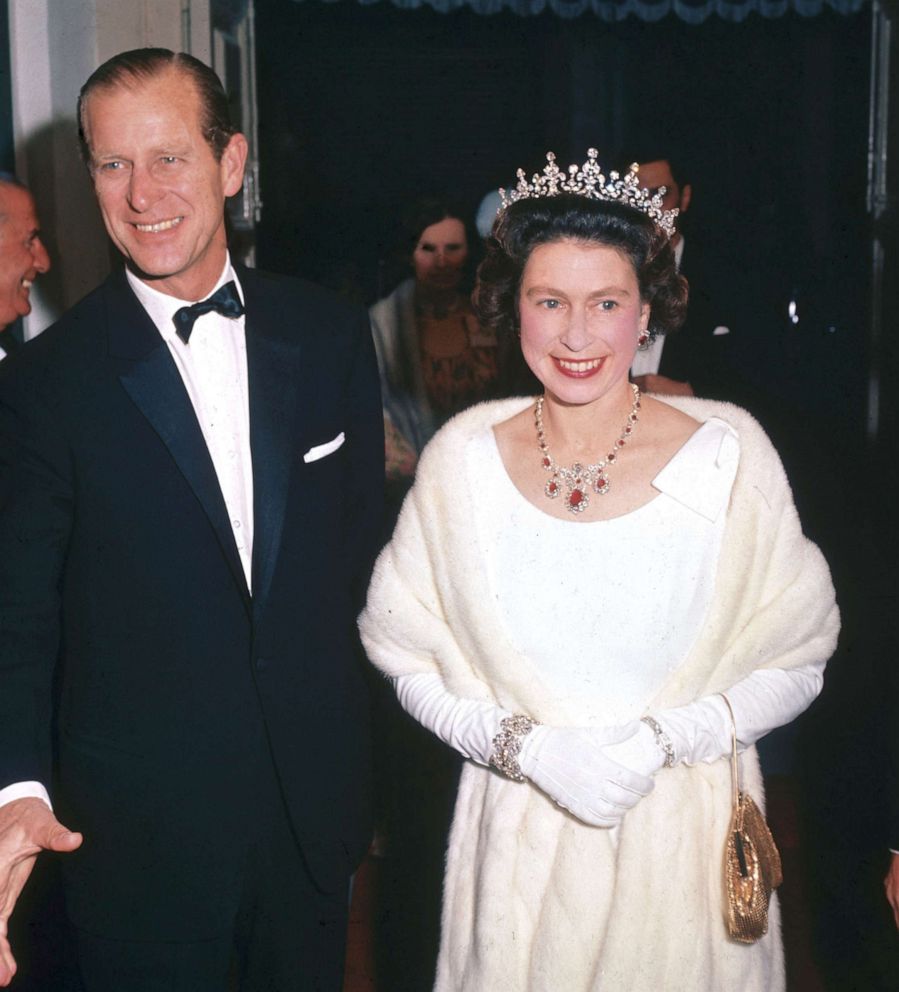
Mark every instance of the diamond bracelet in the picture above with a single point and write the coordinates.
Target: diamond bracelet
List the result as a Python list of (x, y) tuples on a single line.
[(507, 744), (662, 739)]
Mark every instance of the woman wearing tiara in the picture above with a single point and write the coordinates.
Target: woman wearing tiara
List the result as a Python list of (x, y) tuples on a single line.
[(573, 581)]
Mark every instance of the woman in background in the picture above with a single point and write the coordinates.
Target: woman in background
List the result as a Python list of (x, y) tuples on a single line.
[(434, 357)]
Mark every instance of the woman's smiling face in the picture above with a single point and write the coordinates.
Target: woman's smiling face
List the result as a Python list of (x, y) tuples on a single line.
[(580, 315)]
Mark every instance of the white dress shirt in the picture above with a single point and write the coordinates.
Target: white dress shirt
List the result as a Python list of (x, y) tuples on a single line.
[(213, 368)]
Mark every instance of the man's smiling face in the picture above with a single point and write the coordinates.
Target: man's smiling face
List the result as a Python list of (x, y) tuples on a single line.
[(160, 188), (22, 253)]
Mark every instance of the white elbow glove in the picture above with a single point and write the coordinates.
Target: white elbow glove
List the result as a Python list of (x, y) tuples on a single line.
[(701, 731), (467, 725), (697, 732)]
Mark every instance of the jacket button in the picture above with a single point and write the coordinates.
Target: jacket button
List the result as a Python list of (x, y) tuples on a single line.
[(262, 664)]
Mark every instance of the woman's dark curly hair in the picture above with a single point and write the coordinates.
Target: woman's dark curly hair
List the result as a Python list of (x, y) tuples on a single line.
[(525, 224)]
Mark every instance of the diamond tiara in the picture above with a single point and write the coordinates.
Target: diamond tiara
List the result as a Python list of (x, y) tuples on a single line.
[(588, 180)]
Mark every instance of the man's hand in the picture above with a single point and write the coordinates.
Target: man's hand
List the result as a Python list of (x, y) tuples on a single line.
[(662, 384), (891, 884), (27, 826)]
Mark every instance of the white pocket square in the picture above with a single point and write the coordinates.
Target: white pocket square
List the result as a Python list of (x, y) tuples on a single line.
[(320, 450)]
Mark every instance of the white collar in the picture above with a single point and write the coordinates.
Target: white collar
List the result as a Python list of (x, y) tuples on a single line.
[(161, 307), (700, 476)]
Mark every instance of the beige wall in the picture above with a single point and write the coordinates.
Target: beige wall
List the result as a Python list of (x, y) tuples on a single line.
[(55, 45)]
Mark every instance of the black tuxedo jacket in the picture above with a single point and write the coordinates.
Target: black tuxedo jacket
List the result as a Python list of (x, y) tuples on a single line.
[(137, 674), (9, 342), (694, 353)]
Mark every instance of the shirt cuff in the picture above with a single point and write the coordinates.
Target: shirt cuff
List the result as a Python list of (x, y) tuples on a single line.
[(24, 790)]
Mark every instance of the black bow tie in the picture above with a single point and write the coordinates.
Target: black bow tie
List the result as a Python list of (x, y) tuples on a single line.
[(224, 300)]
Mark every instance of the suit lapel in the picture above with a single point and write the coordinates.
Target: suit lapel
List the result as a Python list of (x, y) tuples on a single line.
[(274, 370), (8, 341), (152, 380)]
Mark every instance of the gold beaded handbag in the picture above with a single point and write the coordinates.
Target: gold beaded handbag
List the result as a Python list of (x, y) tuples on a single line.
[(752, 868)]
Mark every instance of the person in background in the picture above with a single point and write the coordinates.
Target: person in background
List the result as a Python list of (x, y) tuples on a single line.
[(695, 360), (891, 880), (191, 476), (486, 213), (23, 257), (434, 357), (518, 620)]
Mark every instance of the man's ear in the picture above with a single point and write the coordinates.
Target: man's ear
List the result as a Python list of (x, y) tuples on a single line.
[(686, 193), (232, 163)]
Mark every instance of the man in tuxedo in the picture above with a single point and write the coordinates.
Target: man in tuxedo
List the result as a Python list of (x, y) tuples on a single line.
[(695, 360), (189, 500), (22, 257)]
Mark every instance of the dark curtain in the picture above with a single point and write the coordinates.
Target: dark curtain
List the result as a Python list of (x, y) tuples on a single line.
[(613, 11)]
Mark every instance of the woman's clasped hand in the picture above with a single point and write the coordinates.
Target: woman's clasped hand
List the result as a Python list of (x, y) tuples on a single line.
[(572, 765)]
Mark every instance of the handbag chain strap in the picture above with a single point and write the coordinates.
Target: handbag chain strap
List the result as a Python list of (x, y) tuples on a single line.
[(734, 765)]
